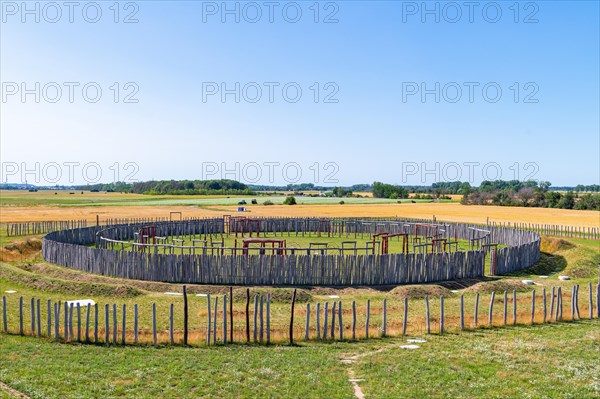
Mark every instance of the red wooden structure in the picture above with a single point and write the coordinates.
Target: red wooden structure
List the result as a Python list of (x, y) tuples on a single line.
[(281, 244), (385, 237)]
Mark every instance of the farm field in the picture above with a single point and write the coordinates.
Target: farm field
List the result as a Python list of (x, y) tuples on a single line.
[(25, 206)]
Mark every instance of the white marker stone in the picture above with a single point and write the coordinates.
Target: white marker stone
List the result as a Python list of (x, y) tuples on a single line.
[(543, 276), (201, 295), (333, 296), (173, 293), (527, 282), (81, 302), (410, 346), (564, 278), (416, 340), (10, 291)]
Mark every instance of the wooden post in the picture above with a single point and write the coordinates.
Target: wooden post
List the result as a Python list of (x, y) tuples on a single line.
[(573, 304), (340, 322), (292, 318), (21, 331), (225, 331), (247, 315), (39, 318), (32, 313), (427, 315), (230, 314), (87, 322), (491, 311), (49, 318), (405, 316), (577, 301), (333, 307), (476, 313), (268, 318), (216, 311), (462, 312), (135, 324), (171, 335), (514, 307), (78, 322), (384, 327), (353, 320), (261, 318), (559, 309), (124, 324), (185, 316), (325, 319), (56, 322), (318, 320), (255, 315), (505, 302), (96, 323), (307, 327), (209, 320), (66, 322), (106, 325), (552, 295), (591, 301), (441, 314), (115, 323), (598, 300), (532, 306), (4, 315), (545, 305), (154, 337), (368, 317)]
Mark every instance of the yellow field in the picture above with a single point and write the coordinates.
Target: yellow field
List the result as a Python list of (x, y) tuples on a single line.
[(442, 211)]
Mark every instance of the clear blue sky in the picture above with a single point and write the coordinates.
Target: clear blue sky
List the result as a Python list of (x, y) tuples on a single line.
[(374, 61)]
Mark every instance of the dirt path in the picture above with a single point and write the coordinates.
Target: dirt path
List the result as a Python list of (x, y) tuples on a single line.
[(12, 392)]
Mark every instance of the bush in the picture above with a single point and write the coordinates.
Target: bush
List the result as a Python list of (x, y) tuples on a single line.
[(291, 200), (268, 202), (342, 202)]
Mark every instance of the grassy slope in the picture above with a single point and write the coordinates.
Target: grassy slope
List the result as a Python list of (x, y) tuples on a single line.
[(555, 361)]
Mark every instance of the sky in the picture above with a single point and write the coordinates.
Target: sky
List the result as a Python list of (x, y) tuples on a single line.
[(277, 92)]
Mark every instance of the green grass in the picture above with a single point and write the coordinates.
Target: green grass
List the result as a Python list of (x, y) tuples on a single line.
[(554, 361)]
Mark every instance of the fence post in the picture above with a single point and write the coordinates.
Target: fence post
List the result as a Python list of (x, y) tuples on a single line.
[(39, 318), (209, 319), (318, 319), (21, 332), (333, 309), (491, 311), (215, 320), (247, 315), (353, 320), (368, 317), (559, 309), (427, 315), (441, 314), (4, 314), (462, 312), (384, 328), (577, 301), (268, 318), (49, 318), (78, 322), (544, 303), (505, 303), (124, 325), (96, 323), (87, 322), (115, 323), (514, 307), (533, 307), (591, 301), (405, 316), (292, 318), (340, 322), (255, 316), (66, 322), (154, 337), (598, 300), (106, 323), (306, 328), (325, 319), (225, 331), (231, 314), (476, 313), (552, 303), (185, 316), (56, 322), (135, 324), (573, 303), (261, 318), (171, 335), (32, 312)]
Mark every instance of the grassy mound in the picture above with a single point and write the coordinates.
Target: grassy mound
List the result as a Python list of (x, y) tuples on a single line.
[(277, 294), (21, 250), (487, 287), (420, 291)]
